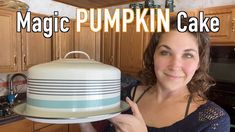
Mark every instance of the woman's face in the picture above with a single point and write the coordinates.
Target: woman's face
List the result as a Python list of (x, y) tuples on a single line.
[(176, 59)]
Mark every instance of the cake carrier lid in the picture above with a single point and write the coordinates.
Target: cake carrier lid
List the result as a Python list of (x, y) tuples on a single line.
[(74, 69)]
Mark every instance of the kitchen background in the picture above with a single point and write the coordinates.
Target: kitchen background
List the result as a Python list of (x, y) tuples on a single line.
[(20, 51), (47, 7)]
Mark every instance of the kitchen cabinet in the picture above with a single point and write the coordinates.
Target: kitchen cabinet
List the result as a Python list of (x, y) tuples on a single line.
[(63, 42), (21, 125), (25, 125), (36, 48), (38, 125), (108, 47), (19, 51), (10, 50), (44, 127), (88, 41), (226, 34), (125, 49), (226, 15), (190, 13), (130, 49), (74, 128), (54, 128)]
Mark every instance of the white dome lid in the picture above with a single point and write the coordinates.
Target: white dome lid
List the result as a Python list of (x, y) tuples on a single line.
[(74, 69)]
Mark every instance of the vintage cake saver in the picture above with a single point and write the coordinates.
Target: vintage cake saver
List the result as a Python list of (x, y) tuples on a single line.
[(72, 88)]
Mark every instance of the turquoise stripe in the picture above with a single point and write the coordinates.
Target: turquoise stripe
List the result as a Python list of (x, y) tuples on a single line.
[(72, 103)]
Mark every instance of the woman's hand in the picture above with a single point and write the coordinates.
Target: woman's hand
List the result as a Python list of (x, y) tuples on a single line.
[(130, 123)]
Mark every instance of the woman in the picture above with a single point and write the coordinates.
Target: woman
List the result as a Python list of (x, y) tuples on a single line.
[(172, 97)]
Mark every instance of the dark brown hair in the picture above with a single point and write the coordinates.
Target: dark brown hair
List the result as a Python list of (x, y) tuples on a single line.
[(201, 81)]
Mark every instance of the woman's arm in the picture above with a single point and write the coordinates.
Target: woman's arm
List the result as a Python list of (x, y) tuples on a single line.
[(87, 127)]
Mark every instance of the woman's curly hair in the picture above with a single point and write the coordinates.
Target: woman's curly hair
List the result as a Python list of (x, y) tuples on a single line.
[(201, 81)]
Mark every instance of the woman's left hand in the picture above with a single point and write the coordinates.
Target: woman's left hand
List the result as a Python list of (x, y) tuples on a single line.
[(130, 123)]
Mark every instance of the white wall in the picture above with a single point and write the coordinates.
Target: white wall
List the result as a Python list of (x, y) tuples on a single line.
[(48, 7)]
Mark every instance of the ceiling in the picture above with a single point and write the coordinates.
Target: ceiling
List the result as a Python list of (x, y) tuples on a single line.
[(96, 3)]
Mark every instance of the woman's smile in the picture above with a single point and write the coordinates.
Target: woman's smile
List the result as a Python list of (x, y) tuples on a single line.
[(173, 76)]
